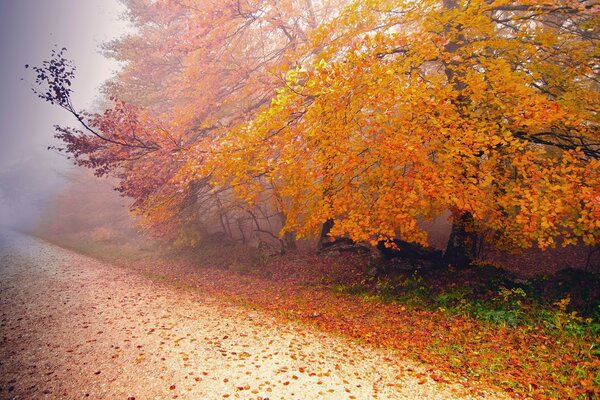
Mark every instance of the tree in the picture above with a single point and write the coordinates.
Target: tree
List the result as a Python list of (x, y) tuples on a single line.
[(375, 115), (191, 70), (486, 108)]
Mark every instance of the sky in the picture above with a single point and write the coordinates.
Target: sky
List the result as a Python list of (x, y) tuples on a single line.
[(29, 29)]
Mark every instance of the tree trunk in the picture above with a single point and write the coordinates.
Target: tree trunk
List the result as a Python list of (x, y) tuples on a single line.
[(325, 229), (289, 238), (290, 241), (462, 244)]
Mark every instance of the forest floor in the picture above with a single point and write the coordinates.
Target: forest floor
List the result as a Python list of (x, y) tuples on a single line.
[(456, 333), (74, 327)]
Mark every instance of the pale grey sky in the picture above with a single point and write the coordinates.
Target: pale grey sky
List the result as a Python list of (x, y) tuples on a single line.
[(28, 31)]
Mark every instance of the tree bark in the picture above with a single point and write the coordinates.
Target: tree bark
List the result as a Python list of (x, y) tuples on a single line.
[(289, 238), (290, 241), (325, 229), (461, 249)]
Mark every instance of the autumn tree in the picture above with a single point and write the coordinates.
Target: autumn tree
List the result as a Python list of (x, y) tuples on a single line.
[(191, 70), (485, 108), (374, 115)]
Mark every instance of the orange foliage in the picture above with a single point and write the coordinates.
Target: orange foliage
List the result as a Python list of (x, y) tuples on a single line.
[(204, 66), (482, 107), (375, 114)]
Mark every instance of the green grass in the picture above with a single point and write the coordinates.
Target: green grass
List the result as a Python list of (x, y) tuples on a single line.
[(512, 308), (518, 309)]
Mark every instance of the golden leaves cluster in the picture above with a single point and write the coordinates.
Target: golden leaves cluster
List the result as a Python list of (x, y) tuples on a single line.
[(399, 111)]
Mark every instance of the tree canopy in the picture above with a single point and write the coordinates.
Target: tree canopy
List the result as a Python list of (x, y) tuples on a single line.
[(374, 114)]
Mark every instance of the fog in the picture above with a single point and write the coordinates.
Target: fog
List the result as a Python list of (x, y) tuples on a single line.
[(29, 29)]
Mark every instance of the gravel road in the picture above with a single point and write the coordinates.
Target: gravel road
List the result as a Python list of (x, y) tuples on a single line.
[(72, 327)]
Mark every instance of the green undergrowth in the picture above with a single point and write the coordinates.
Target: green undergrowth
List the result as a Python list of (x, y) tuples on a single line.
[(562, 311), (506, 304)]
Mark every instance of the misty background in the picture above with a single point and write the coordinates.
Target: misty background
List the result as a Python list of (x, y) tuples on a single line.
[(30, 174)]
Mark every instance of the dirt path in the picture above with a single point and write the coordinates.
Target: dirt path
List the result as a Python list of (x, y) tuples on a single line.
[(72, 327)]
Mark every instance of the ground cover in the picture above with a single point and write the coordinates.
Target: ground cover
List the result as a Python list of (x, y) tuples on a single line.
[(533, 338)]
